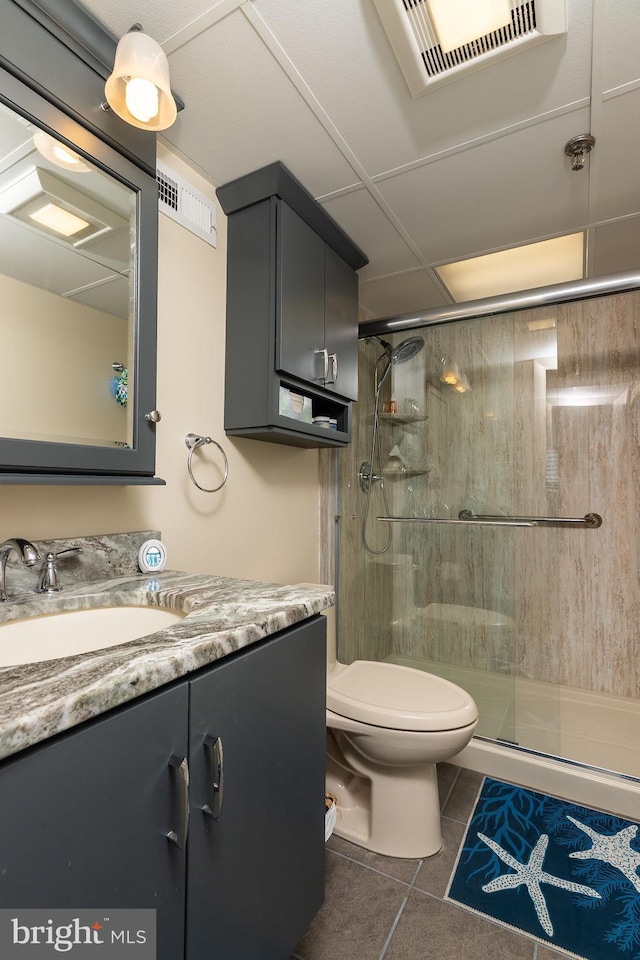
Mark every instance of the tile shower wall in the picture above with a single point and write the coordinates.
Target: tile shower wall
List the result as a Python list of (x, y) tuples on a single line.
[(550, 428)]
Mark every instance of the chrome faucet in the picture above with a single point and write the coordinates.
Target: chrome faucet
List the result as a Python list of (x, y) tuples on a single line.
[(25, 550)]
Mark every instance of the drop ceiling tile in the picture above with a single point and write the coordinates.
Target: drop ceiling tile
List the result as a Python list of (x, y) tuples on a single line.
[(618, 146), (403, 293), (159, 20), (111, 297), (345, 57), (505, 192), (242, 112), (616, 247), (28, 256), (621, 42), (366, 224)]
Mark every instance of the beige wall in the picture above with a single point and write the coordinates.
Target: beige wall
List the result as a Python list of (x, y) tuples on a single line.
[(264, 523), (58, 379)]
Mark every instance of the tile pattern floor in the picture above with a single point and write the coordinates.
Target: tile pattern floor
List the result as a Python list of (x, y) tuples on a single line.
[(380, 908)]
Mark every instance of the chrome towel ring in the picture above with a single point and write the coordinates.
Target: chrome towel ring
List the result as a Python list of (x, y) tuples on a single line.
[(193, 442)]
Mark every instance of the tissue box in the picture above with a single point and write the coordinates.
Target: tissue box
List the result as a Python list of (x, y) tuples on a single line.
[(294, 405)]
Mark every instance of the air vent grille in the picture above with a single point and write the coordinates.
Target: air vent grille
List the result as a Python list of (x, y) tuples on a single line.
[(523, 24), (415, 42), (180, 200)]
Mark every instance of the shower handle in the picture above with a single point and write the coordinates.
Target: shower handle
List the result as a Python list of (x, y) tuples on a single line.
[(367, 476)]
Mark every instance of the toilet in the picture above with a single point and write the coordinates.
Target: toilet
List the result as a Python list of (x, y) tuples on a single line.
[(387, 727)]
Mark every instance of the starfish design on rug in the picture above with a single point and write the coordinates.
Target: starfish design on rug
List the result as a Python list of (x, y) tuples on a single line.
[(532, 875), (614, 849)]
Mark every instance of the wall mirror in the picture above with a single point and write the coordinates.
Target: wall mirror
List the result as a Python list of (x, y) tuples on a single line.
[(78, 251), (67, 266)]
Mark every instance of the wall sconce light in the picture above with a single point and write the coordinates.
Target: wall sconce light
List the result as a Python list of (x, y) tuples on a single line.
[(449, 373), (139, 89)]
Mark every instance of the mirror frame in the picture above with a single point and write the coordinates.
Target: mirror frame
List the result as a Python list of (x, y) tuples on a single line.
[(33, 461)]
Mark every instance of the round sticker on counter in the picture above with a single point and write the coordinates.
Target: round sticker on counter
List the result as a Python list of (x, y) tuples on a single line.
[(152, 556)]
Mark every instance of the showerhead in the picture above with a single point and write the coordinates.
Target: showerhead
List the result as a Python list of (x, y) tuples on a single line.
[(406, 350)]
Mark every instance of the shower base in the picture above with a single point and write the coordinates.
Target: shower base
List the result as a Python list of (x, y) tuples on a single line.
[(574, 743)]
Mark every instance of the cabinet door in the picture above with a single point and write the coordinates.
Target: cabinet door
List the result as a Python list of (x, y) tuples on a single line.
[(341, 325), (299, 298), (256, 873), (87, 815)]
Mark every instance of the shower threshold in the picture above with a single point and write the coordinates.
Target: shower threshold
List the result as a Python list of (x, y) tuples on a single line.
[(578, 744)]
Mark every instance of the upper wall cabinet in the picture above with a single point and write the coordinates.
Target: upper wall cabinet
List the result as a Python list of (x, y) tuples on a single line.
[(78, 261), (292, 314)]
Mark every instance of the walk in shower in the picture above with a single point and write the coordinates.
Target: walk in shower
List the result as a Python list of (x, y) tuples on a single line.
[(524, 429)]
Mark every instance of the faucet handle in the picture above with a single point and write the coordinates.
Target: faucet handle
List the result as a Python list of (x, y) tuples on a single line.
[(49, 581)]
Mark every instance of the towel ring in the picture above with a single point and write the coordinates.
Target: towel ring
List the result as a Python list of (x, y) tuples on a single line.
[(193, 442)]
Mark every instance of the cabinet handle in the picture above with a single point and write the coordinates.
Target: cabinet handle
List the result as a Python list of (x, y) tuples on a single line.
[(213, 746), (334, 367), (181, 768), (324, 364)]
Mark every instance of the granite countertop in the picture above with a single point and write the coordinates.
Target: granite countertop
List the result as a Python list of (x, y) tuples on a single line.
[(38, 700)]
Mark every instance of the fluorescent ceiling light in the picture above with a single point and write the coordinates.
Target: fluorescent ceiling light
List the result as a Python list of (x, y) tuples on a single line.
[(519, 268), (460, 21), (59, 220)]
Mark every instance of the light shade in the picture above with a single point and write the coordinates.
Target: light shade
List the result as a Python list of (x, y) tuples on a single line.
[(59, 153), (460, 21), (141, 61), (519, 268)]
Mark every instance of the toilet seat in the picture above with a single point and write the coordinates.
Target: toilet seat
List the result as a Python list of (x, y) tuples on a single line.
[(399, 698)]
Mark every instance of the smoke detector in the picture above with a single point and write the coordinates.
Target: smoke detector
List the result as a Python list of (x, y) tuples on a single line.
[(411, 28)]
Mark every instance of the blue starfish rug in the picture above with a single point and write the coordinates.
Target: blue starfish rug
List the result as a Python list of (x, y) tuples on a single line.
[(564, 874)]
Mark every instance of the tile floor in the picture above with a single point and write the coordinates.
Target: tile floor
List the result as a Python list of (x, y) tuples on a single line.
[(377, 907)]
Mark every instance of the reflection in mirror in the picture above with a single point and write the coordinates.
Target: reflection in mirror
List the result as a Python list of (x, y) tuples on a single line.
[(67, 294)]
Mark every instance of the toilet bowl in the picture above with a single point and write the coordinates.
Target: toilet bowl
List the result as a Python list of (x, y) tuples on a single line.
[(387, 727)]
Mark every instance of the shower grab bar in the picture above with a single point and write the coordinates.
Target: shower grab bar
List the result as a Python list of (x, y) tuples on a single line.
[(464, 521), (590, 520)]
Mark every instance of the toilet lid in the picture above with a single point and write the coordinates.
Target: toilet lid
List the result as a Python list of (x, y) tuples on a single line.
[(400, 698)]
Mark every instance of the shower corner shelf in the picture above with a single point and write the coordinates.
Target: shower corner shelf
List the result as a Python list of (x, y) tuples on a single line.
[(403, 418)]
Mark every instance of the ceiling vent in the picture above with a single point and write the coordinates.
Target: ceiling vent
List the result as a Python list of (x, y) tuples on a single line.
[(186, 205), (411, 32)]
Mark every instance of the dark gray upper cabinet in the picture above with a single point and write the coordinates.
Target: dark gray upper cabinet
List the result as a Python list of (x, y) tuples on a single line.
[(292, 313), (75, 303)]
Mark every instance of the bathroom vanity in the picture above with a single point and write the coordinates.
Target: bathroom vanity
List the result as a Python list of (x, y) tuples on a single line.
[(183, 771)]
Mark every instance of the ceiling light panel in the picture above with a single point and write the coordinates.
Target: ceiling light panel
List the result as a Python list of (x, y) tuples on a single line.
[(460, 22), (427, 59), (519, 268)]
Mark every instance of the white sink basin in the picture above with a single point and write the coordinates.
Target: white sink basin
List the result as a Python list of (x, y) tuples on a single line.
[(54, 635)]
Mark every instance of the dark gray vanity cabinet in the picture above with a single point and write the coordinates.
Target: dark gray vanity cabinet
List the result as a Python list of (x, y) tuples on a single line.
[(86, 818), (256, 848), (88, 814), (292, 313)]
